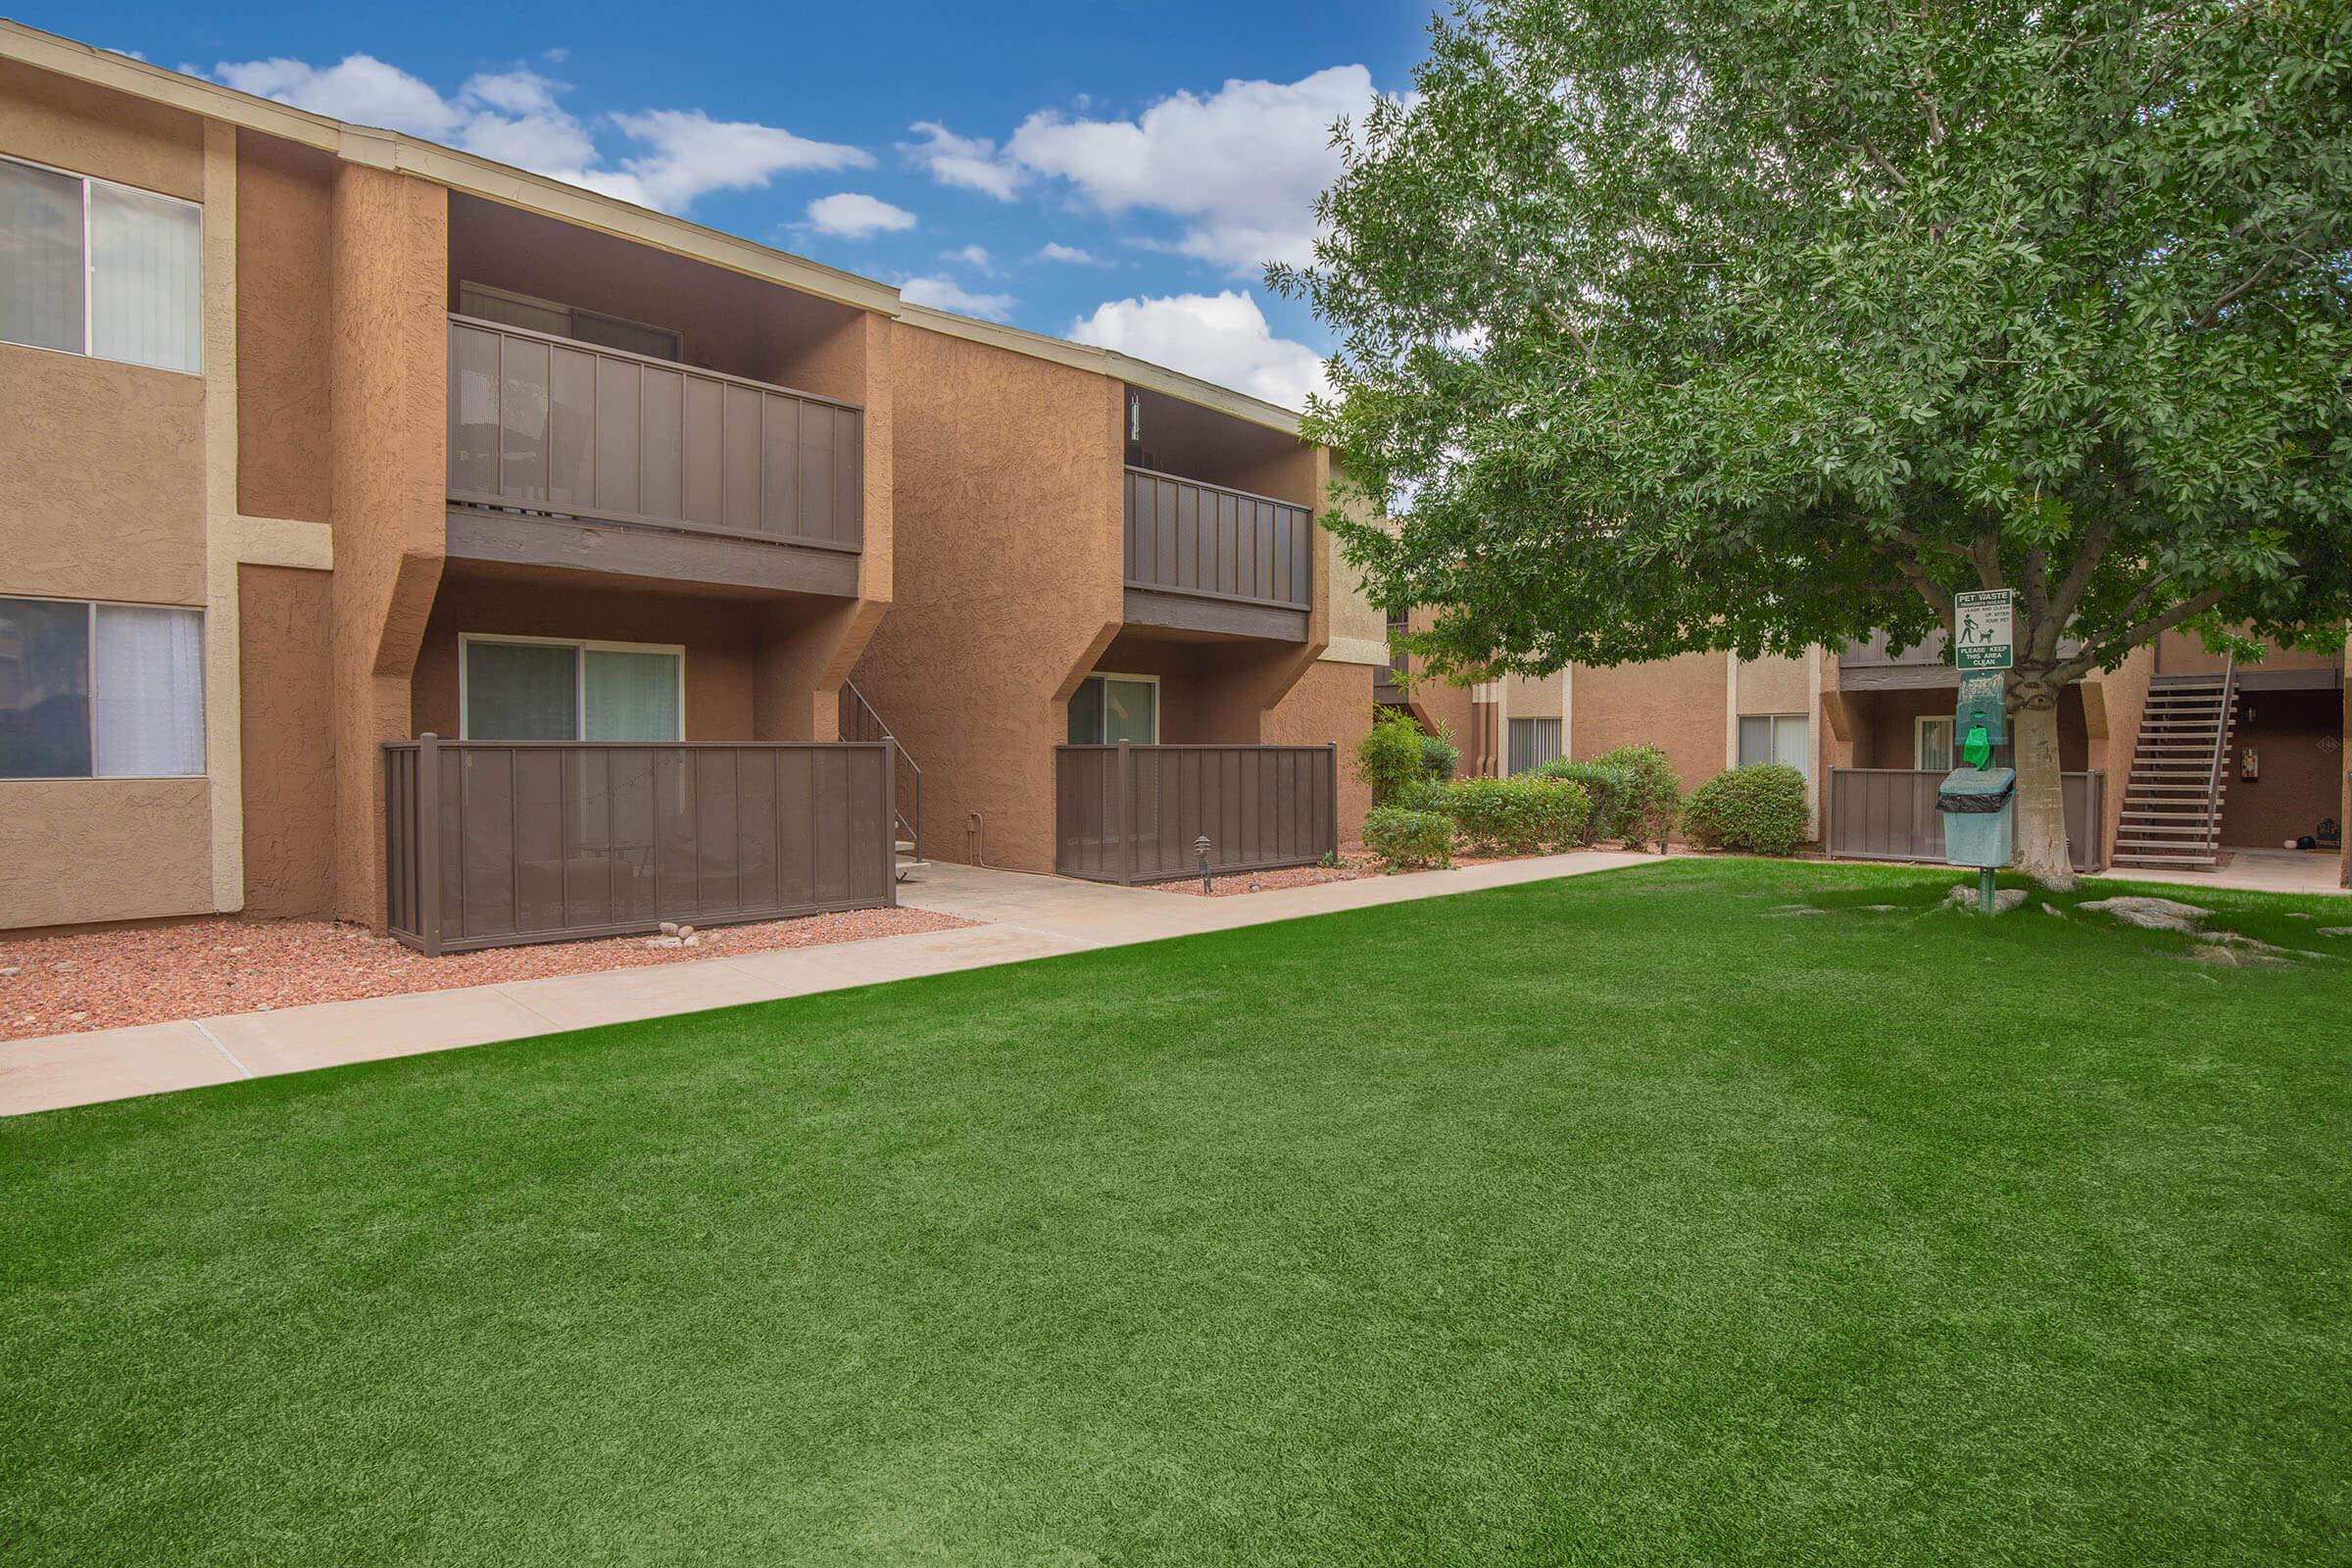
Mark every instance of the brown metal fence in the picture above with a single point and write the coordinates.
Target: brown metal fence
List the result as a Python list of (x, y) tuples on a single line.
[(1130, 813), (1888, 814), (492, 844), (1184, 537)]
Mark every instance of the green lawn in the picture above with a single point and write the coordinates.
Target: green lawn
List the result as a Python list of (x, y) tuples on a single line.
[(1630, 1219)]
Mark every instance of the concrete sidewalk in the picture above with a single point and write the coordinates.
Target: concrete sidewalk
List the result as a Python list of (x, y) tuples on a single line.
[(1025, 917)]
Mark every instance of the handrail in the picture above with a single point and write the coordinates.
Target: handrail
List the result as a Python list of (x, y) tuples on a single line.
[(858, 714), (655, 361), (2221, 752)]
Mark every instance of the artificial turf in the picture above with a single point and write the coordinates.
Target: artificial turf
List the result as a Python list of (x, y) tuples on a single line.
[(1639, 1218)]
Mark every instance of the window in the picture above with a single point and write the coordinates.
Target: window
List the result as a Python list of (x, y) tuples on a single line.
[(1107, 708), (1782, 738), (1534, 741), (543, 689), (510, 309), (1933, 748), (100, 691), (89, 267)]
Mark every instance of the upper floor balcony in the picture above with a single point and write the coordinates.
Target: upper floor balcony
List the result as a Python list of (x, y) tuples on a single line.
[(615, 409), (1220, 524)]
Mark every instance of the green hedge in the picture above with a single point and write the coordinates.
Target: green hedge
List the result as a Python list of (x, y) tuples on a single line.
[(1610, 786), (1646, 811), (1389, 757), (1398, 838), (1760, 809), (1518, 815)]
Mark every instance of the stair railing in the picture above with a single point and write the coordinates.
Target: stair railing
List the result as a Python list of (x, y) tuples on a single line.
[(860, 722), (2221, 754)]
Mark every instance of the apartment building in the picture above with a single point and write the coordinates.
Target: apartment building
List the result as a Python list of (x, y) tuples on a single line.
[(2169, 761), (404, 537)]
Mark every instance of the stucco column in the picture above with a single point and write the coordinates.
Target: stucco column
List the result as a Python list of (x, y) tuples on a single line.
[(388, 357)]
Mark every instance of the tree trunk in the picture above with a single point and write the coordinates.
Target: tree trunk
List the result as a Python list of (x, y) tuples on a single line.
[(2042, 851)]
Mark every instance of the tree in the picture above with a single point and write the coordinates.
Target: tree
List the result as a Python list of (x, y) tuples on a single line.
[(1758, 324)]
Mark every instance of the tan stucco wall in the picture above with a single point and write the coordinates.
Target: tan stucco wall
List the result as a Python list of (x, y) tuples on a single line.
[(90, 130), (285, 198), (104, 492), (1006, 505), (1680, 704), (104, 849), (387, 368), (1776, 685), (1332, 704), (2113, 705), (287, 732), (2179, 654)]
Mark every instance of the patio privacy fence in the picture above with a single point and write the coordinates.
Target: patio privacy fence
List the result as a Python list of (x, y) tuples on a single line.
[(1888, 814), (491, 844), (1130, 813)]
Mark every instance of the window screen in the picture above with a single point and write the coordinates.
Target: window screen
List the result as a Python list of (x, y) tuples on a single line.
[(1105, 709), (1935, 745), (522, 690), (100, 691), (41, 270), (1782, 738), (88, 267), (44, 689)]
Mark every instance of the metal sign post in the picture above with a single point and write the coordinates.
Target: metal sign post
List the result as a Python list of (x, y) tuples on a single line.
[(1978, 801)]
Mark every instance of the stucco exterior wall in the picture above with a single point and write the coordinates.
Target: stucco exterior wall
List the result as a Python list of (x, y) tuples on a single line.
[(1680, 704), (80, 849), (285, 199), (2114, 702), (2302, 776), (1006, 505), (72, 126), (286, 730), (1776, 685), (2179, 654), (1332, 704), (388, 367)]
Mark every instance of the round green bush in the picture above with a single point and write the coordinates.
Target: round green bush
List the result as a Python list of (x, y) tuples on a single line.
[(1759, 809), (1440, 757), (1398, 838), (1646, 812), (1610, 786), (1389, 758)]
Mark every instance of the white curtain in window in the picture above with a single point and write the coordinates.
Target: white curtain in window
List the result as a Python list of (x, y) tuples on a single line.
[(1791, 743), (632, 697), (40, 258), (144, 278), (147, 681)]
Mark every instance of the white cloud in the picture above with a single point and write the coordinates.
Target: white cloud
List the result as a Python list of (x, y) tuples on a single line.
[(1055, 251), (945, 294), (967, 160), (1219, 337), (973, 256), (1241, 166), (853, 215), (518, 117)]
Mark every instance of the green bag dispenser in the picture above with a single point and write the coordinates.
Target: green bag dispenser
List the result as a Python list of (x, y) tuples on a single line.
[(1980, 816), (1980, 720)]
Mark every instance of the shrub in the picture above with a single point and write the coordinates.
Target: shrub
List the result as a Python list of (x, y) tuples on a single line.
[(1440, 757), (1420, 794), (1398, 838), (1760, 809), (1389, 756), (1648, 810), (1517, 816), (1611, 785)]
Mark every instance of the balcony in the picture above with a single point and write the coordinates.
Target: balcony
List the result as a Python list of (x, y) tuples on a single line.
[(568, 454), (1202, 558)]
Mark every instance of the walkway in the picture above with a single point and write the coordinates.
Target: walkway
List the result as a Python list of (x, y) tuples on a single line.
[(2251, 871), (1025, 917)]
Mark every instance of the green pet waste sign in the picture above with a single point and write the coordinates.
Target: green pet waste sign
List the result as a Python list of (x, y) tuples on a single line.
[(1981, 627)]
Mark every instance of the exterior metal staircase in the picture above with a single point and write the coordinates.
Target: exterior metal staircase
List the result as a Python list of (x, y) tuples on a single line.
[(2180, 771), (860, 722)]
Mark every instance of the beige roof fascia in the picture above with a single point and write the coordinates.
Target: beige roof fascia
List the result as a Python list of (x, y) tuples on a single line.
[(573, 204)]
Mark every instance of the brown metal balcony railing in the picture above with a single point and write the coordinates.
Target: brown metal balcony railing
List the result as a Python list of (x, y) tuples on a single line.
[(1130, 813), (492, 844), (1185, 537), (1888, 814), (545, 424)]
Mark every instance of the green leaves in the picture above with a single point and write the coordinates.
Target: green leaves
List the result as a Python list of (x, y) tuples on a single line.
[(1707, 325)]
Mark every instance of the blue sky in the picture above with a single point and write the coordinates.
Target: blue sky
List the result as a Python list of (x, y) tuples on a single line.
[(1112, 171)]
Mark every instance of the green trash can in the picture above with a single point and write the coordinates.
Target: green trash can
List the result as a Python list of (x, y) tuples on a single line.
[(1980, 816)]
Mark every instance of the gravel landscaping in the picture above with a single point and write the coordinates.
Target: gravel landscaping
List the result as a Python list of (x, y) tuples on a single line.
[(76, 981)]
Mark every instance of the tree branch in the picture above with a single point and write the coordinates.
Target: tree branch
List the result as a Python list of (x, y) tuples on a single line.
[(2072, 586), (2088, 660), (1987, 552)]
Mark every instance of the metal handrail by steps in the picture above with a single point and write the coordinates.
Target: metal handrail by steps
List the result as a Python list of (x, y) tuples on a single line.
[(860, 722), (2221, 754)]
